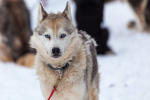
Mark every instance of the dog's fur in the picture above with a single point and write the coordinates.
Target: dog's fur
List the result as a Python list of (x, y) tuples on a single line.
[(80, 81), (15, 29)]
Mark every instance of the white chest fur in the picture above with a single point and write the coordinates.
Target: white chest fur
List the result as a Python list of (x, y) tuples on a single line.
[(47, 78), (77, 92)]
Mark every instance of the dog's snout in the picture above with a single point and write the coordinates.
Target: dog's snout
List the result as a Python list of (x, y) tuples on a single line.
[(56, 52)]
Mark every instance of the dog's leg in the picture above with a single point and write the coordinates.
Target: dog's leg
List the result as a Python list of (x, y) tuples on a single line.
[(94, 89), (140, 14), (92, 94)]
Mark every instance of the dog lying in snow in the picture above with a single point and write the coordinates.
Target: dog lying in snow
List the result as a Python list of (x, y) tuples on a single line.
[(66, 58)]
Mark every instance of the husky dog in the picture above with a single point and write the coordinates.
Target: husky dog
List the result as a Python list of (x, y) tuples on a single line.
[(66, 58)]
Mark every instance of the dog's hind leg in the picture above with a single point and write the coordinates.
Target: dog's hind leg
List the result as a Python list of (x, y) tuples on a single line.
[(93, 94), (94, 89)]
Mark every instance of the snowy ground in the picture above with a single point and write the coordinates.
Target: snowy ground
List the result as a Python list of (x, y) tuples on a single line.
[(124, 76)]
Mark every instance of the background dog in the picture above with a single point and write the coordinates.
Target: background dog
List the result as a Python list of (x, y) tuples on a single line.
[(15, 31), (66, 58), (142, 11)]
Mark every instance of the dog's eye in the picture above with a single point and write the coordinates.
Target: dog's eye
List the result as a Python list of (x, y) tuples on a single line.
[(62, 36), (47, 36)]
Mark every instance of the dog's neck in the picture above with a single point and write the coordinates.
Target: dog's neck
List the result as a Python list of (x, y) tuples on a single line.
[(61, 64), (62, 69), (66, 65)]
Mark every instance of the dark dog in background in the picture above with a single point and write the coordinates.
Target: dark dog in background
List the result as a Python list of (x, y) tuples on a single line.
[(142, 11), (89, 17), (147, 16), (15, 30)]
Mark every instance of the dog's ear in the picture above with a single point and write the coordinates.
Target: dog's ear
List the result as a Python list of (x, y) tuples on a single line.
[(42, 14), (67, 12)]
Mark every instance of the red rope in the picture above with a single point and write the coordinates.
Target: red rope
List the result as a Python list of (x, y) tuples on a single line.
[(52, 93)]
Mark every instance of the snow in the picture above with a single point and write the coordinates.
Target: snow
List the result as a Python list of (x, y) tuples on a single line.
[(124, 76), (18, 83)]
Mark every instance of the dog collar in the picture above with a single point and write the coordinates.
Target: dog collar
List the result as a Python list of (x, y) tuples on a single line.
[(62, 68)]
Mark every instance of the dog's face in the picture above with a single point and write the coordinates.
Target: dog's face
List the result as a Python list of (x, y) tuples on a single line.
[(55, 35), (54, 32)]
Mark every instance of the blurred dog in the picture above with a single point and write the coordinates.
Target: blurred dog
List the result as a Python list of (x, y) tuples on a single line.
[(142, 11), (15, 31), (66, 58)]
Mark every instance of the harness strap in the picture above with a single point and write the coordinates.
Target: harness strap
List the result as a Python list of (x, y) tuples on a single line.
[(60, 71)]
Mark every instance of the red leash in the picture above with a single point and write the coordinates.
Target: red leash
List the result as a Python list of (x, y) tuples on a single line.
[(54, 88), (52, 93)]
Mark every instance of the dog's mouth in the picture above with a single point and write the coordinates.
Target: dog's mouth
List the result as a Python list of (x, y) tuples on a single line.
[(56, 56)]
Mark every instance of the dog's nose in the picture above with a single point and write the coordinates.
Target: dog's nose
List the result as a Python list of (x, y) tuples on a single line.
[(56, 52)]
